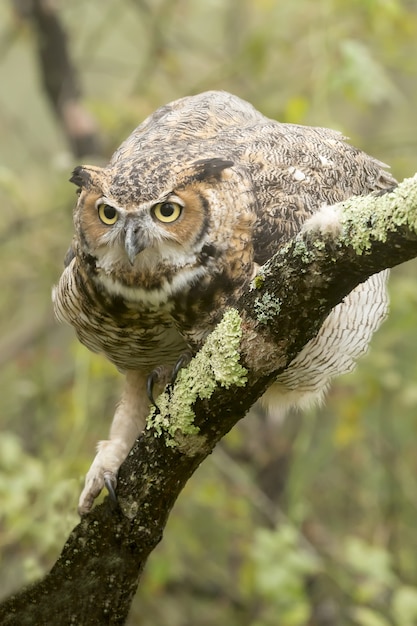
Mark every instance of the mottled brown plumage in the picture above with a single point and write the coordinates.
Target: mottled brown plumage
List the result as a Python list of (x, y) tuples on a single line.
[(168, 233)]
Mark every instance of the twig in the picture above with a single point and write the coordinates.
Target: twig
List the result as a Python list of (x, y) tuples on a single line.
[(59, 76)]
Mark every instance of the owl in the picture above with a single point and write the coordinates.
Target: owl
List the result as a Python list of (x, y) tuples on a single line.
[(174, 228)]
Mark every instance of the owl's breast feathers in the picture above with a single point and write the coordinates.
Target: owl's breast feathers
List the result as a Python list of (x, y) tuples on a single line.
[(136, 327), (130, 336)]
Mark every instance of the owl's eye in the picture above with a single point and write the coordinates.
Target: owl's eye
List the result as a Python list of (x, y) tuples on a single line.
[(107, 214), (167, 211)]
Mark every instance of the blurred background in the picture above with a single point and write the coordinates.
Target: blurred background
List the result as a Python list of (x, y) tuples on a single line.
[(307, 521)]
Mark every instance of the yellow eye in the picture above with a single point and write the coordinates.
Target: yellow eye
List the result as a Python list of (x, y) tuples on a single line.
[(107, 214), (167, 212)]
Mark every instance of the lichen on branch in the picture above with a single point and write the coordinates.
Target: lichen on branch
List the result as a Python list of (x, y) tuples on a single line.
[(216, 364), (362, 220)]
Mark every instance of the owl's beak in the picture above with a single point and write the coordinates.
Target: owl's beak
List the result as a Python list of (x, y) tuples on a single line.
[(133, 243)]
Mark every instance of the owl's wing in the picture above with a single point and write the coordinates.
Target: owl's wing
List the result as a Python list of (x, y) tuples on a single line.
[(295, 170)]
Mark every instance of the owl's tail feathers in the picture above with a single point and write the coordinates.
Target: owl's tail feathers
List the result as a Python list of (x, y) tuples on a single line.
[(279, 399)]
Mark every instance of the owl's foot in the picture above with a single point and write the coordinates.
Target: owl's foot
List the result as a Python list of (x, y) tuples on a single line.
[(102, 473), (162, 376)]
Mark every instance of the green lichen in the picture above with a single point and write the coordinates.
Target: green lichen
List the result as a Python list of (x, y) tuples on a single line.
[(267, 308), (301, 250), (258, 281), (369, 218), (217, 364), (319, 245), (405, 212)]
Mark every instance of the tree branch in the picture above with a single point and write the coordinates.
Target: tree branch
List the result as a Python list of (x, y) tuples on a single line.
[(96, 576), (59, 76)]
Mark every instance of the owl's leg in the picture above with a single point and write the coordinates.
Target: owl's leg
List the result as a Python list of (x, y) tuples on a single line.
[(128, 422)]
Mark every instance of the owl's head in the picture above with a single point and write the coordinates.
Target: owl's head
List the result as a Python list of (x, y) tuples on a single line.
[(149, 236)]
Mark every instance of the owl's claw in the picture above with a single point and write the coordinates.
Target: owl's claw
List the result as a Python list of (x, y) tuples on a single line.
[(183, 361), (110, 483), (162, 376), (150, 383), (103, 472)]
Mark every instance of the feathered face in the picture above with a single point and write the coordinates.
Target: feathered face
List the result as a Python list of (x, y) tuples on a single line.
[(146, 249)]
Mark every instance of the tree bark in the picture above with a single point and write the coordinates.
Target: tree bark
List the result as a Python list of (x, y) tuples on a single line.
[(96, 576), (59, 76)]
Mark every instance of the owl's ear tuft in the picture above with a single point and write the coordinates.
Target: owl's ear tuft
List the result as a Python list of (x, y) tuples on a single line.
[(210, 168), (80, 177)]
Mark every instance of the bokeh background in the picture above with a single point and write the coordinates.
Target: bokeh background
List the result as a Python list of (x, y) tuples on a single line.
[(311, 520)]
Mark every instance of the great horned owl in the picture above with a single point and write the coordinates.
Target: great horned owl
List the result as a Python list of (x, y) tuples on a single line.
[(167, 235)]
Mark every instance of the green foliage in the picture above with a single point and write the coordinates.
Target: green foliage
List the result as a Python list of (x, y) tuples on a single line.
[(281, 567), (289, 520)]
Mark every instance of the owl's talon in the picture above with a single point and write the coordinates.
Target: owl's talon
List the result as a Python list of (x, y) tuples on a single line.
[(160, 375), (151, 380), (110, 483), (183, 361)]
